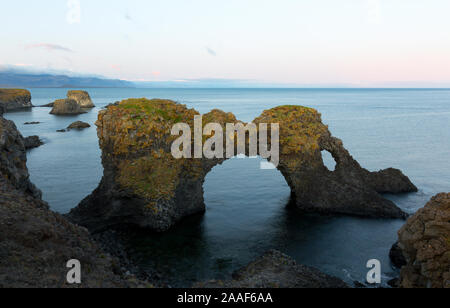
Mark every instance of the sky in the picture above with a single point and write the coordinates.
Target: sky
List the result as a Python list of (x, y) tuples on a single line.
[(302, 42)]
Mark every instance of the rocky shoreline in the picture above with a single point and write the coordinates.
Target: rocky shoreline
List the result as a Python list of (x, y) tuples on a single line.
[(36, 243), (423, 249)]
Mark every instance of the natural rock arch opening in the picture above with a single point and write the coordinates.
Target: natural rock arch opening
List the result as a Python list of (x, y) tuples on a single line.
[(240, 180), (329, 161), (144, 185)]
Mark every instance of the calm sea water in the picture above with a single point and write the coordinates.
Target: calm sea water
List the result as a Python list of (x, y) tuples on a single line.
[(247, 211)]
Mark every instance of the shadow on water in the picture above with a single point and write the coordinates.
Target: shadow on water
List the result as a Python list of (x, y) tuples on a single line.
[(338, 246)]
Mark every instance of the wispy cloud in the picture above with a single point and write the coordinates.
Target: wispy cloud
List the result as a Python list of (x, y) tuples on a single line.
[(49, 47), (211, 52)]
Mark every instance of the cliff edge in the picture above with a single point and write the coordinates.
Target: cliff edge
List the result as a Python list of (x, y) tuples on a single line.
[(14, 99)]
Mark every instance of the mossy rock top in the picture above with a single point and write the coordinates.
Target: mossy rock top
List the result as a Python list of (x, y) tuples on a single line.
[(300, 128), (7, 95)]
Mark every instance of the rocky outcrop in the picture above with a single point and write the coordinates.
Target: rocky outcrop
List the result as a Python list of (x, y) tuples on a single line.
[(32, 142), (14, 99), (78, 125), (276, 270), (425, 242), (145, 186), (66, 107), (48, 105), (82, 98), (13, 158), (36, 243), (396, 256)]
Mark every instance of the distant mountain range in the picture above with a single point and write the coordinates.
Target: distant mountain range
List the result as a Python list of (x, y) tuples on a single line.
[(16, 79), (21, 78), (13, 77)]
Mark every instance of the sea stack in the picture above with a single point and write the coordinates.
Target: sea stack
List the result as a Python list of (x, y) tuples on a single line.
[(66, 107), (82, 98), (14, 99), (144, 185)]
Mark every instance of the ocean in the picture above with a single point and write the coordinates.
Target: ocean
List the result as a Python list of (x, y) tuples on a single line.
[(247, 212)]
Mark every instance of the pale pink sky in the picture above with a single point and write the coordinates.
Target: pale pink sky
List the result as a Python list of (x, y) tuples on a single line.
[(360, 42)]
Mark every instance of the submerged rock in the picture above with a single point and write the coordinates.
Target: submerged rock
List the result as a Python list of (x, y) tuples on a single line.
[(425, 242), (78, 125), (31, 123), (14, 99), (66, 107), (144, 185), (276, 270), (82, 98), (32, 142)]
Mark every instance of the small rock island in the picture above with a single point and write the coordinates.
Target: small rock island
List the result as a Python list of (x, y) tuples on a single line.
[(14, 99), (66, 107), (82, 98)]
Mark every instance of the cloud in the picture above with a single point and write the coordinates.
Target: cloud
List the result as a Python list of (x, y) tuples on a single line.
[(211, 52), (128, 17), (49, 47)]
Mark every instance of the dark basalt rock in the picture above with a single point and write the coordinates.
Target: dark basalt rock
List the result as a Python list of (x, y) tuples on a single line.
[(425, 242), (47, 105), (144, 185), (14, 99), (36, 243), (276, 270), (32, 142), (396, 256), (13, 159), (31, 123), (66, 107)]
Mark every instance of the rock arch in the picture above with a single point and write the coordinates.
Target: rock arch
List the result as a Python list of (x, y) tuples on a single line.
[(144, 185)]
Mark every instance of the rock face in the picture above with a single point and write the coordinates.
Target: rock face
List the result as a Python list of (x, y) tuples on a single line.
[(13, 158), (276, 270), (35, 243), (78, 125), (396, 256), (82, 98), (425, 242), (32, 142), (66, 107), (14, 99), (145, 186)]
